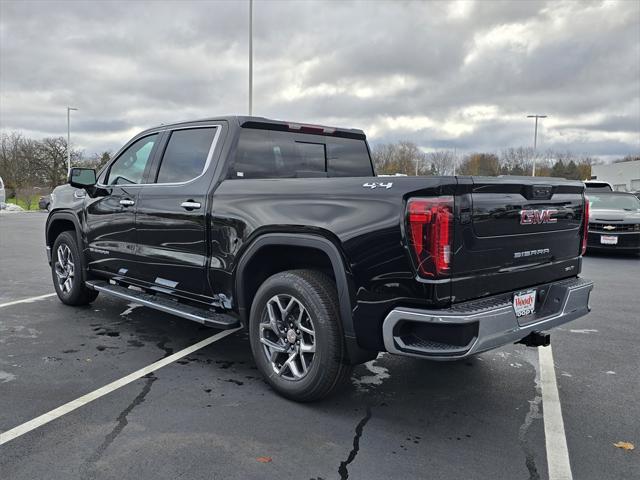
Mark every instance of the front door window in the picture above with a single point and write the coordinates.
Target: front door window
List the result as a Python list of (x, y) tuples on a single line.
[(130, 166)]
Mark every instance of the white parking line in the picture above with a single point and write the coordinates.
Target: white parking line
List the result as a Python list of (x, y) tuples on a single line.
[(89, 397), (27, 300), (555, 438)]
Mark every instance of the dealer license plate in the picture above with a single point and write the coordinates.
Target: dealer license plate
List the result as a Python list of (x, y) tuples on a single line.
[(609, 239), (524, 303)]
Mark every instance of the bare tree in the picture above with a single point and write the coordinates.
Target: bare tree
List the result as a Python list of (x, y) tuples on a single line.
[(25, 162), (518, 161), (10, 147), (486, 164), (53, 159), (402, 157), (441, 162)]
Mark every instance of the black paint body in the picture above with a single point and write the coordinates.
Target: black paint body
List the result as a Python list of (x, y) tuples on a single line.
[(207, 256)]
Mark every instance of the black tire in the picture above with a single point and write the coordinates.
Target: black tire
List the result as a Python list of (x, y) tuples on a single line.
[(328, 368), (75, 292)]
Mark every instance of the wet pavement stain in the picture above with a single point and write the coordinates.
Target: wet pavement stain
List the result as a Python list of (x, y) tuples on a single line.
[(225, 363), (102, 331), (102, 348), (51, 359), (162, 345)]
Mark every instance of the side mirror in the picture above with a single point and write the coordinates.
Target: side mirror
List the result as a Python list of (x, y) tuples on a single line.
[(82, 177)]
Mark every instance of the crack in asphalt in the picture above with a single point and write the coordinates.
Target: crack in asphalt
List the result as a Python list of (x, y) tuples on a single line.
[(342, 469), (122, 418)]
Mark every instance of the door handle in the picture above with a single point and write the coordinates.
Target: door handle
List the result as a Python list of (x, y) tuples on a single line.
[(190, 205), (127, 202)]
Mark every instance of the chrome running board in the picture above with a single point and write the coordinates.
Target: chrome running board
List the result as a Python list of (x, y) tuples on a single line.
[(206, 317)]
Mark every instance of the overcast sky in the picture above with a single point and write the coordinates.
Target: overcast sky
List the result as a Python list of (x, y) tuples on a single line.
[(458, 74)]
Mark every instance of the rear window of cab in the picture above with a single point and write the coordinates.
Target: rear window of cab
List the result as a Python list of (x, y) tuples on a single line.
[(277, 154)]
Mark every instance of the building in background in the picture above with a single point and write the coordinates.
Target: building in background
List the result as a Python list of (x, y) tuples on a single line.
[(623, 176)]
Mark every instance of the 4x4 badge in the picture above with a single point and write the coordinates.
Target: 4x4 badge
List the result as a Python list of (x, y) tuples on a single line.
[(373, 185)]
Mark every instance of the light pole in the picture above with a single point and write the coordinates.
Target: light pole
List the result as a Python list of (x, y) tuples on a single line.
[(535, 141), (250, 57), (455, 160), (69, 138)]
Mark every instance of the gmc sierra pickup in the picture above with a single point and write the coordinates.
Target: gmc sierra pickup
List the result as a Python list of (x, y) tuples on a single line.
[(284, 229)]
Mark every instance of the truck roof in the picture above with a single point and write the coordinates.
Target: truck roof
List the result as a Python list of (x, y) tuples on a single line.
[(270, 124)]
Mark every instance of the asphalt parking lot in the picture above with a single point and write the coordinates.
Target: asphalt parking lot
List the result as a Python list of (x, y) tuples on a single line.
[(210, 416)]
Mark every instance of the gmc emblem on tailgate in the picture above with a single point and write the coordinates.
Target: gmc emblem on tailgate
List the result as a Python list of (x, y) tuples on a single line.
[(534, 217)]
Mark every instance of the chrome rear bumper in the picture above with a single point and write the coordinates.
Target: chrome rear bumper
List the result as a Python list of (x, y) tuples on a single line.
[(473, 327)]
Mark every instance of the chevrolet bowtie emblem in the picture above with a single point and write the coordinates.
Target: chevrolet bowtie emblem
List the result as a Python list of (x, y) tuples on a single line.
[(609, 227)]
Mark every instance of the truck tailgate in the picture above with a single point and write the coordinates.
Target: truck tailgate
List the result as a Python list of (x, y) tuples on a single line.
[(514, 232)]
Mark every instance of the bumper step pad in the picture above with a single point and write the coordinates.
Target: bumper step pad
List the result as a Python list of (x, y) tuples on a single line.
[(479, 325)]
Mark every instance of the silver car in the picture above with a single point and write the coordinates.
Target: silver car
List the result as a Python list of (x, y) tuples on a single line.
[(2, 194)]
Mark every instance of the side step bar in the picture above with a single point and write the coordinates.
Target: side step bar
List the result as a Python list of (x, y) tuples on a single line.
[(200, 315)]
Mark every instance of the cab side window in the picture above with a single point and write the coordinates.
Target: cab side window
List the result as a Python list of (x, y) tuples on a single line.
[(130, 166)]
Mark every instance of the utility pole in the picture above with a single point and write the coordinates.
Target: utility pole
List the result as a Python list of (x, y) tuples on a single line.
[(250, 57), (455, 160), (69, 138), (535, 142)]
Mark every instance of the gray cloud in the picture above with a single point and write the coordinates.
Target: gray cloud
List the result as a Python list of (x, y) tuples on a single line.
[(441, 74), (613, 123)]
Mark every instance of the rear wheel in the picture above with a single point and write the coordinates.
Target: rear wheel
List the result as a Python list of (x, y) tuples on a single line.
[(296, 337), (66, 271)]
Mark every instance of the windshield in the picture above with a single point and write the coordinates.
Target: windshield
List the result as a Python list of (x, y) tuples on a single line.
[(613, 202)]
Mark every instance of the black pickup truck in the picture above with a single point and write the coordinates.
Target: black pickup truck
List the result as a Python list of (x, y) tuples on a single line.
[(284, 229)]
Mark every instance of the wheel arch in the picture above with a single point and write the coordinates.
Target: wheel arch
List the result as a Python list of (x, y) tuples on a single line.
[(59, 222), (323, 254)]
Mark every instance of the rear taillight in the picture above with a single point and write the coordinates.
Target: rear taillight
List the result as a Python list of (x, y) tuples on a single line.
[(585, 225), (430, 234)]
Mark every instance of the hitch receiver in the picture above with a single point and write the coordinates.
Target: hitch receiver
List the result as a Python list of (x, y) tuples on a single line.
[(536, 339)]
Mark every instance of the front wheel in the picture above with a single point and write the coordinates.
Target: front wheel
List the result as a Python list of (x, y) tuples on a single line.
[(66, 271), (296, 335)]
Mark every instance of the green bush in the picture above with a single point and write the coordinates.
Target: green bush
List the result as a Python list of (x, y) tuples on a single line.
[(21, 202)]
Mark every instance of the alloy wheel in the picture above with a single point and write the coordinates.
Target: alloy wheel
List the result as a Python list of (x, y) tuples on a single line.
[(288, 337), (64, 268)]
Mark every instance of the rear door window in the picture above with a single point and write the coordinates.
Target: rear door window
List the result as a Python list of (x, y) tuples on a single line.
[(185, 157), (276, 154)]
